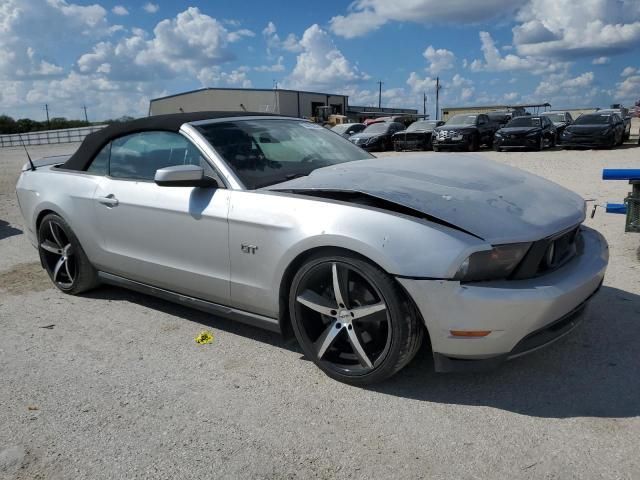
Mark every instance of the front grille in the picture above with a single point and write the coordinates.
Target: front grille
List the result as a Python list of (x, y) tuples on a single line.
[(548, 254)]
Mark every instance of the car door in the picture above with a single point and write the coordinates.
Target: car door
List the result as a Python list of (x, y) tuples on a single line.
[(483, 128), (170, 237)]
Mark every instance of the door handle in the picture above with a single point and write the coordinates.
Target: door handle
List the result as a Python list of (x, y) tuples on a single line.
[(109, 200)]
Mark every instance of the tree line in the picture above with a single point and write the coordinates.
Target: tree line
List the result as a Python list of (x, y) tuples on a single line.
[(25, 125)]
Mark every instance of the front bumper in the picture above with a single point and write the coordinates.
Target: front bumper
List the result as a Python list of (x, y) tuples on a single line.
[(520, 314), (449, 143), (516, 143), (588, 142)]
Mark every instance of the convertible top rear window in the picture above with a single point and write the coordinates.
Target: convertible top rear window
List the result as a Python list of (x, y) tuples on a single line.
[(263, 152)]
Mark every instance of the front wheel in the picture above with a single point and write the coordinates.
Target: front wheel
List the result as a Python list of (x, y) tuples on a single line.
[(352, 320), (63, 258)]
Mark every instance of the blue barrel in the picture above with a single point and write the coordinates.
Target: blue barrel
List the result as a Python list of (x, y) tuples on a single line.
[(621, 174), (616, 208)]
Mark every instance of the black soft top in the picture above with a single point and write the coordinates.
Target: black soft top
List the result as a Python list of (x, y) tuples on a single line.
[(94, 142)]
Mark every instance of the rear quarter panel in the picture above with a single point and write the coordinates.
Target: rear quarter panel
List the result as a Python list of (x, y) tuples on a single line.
[(65, 192)]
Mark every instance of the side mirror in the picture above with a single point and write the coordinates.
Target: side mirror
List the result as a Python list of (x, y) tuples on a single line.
[(184, 176)]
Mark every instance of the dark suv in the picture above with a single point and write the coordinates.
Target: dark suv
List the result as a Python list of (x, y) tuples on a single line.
[(464, 132)]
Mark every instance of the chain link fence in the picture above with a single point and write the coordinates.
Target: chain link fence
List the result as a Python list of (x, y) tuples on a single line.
[(47, 137)]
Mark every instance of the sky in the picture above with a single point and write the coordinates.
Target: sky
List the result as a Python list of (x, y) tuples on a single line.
[(114, 56)]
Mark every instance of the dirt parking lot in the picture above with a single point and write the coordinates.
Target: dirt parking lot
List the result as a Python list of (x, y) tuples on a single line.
[(112, 385)]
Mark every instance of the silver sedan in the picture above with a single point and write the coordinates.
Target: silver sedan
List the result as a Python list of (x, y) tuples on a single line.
[(279, 223)]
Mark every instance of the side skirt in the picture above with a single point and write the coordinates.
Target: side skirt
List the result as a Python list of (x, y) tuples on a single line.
[(252, 319)]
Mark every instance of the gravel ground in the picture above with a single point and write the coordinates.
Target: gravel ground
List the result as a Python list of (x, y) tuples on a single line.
[(112, 385)]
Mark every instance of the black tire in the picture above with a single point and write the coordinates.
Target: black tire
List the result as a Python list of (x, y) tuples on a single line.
[(396, 147), (402, 335), (63, 257), (474, 144), (540, 145), (436, 149)]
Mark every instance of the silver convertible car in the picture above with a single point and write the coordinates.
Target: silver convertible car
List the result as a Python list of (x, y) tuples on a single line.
[(283, 224)]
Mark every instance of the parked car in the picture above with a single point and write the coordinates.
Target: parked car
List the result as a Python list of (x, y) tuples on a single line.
[(531, 132), (467, 132), (623, 113), (561, 120), (417, 136), (500, 118), (594, 130), (279, 223), (377, 136), (348, 129)]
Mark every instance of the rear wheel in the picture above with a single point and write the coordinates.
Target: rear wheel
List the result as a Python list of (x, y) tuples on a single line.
[(540, 144), (352, 320), (63, 257)]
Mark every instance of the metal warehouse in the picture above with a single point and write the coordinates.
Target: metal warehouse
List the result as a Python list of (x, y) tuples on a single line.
[(286, 102)]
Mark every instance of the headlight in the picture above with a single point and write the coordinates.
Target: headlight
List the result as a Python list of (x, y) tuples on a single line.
[(498, 135), (566, 133), (494, 264), (371, 140)]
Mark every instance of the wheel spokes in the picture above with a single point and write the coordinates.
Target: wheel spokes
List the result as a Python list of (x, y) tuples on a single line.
[(51, 247), (367, 312), (55, 235), (316, 303), (357, 348), (326, 338), (57, 268), (339, 285)]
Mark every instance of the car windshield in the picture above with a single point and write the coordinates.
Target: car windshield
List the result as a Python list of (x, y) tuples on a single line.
[(593, 120), (264, 152), (423, 126), (556, 117), (380, 127), (462, 120), (340, 128), (525, 122)]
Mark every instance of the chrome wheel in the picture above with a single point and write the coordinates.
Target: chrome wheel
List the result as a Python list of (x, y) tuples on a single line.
[(343, 318), (57, 254)]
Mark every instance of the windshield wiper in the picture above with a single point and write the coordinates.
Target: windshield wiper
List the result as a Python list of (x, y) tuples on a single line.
[(291, 176)]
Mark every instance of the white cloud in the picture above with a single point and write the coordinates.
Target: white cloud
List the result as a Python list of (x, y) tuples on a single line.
[(214, 76), (187, 44), (557, 84), (569, 28), (276, 67), (628, 71), (494, 61), (439, 60), (368, 15), (291, 43), (628, 91), (321, 65), (418, 84), (151, 7), (601, 61), (120, 10)]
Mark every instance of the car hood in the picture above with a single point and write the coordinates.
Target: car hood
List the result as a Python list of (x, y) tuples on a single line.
[(450, 128), (586, 129), (412, 132), (495, 202), (519, 130), (365, 135)]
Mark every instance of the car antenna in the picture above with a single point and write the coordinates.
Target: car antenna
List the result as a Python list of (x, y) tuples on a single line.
[(33, 167)]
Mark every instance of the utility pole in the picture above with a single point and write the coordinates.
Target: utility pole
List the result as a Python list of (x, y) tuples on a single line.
[(379, 94), (424, 104), (438, 87), (46, 108), (86, 119)]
